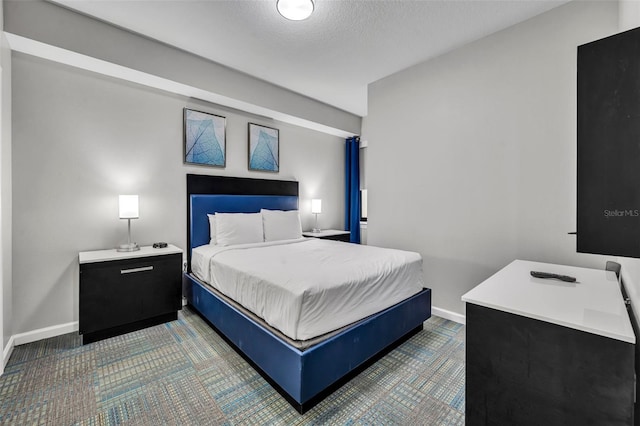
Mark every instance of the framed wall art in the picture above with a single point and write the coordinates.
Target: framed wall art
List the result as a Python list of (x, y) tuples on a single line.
[(204, 138), (264, 148)]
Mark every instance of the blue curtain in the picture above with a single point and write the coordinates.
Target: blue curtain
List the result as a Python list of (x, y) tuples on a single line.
[(352, 188)]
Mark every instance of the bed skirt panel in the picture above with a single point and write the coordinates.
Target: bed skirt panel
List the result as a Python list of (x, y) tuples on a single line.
[(303, 375), (335, 357), (276, 358)]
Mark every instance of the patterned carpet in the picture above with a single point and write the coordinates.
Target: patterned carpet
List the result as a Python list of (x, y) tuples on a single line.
[(182, 373)]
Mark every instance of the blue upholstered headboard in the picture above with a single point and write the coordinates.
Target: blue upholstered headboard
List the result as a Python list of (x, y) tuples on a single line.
[(225, 194), (201, 205)]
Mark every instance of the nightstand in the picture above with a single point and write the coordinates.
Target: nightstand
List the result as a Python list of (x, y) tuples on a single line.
[(122, 292), (329, 234)]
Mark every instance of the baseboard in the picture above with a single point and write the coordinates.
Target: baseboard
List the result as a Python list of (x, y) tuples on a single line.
[(45, 333), (6, 353), (70, 327), (452, 316)]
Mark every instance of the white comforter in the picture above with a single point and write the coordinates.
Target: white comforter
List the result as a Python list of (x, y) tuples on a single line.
[(309, 287)]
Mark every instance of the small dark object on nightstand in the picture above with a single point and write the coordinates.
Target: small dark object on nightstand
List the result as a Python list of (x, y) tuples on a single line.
[(159, 245)]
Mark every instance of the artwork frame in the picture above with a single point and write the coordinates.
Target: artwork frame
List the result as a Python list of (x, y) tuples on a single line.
[(263, 148), (204, 137)]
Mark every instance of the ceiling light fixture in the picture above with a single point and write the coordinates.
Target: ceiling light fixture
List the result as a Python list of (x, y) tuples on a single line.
[(295, 10)]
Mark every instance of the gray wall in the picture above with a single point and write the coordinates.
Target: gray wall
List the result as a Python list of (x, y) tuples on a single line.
[(5, 187), (80, 139), (54, 25), (472, 155)]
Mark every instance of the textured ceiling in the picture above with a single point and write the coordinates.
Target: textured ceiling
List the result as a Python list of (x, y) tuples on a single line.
[(333, 55)]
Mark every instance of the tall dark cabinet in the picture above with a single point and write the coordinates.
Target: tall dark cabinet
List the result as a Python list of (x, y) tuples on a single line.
[(608, 209)]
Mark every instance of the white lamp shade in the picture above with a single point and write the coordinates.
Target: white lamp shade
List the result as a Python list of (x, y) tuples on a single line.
[(316, 205), (128, 206), (295, 10)]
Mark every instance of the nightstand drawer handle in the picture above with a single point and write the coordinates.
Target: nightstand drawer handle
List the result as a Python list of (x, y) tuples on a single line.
[(131, 271)]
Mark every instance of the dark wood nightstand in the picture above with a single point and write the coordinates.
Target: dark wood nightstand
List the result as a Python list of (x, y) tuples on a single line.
[(329, 234), (122, 292)]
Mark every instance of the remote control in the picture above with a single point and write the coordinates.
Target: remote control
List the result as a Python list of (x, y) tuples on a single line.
[(566, 278)]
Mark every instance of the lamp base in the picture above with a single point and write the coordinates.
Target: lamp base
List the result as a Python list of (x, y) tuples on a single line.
[(128, 247), (316, 230)]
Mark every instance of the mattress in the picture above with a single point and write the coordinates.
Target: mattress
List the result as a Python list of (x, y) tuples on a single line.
[(308, 287)]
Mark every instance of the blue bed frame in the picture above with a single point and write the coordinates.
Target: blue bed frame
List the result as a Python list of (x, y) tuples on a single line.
[(304, 378)]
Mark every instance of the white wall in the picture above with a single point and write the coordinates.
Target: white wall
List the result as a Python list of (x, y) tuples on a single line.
[(80, 139), (472, 155)]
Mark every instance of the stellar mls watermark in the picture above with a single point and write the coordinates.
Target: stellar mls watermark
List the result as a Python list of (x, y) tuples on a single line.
[(621, 213)]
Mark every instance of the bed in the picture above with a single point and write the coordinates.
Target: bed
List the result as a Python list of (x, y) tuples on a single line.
[(303, 367)]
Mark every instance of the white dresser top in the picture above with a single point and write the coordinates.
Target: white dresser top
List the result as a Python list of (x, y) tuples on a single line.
[(113, 254), (593, 303)]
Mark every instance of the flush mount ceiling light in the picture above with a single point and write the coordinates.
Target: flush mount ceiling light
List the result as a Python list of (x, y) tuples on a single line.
[(295, 10)]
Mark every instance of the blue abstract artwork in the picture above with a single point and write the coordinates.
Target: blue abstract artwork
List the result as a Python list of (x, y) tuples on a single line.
[(204, 138), (264, 148)]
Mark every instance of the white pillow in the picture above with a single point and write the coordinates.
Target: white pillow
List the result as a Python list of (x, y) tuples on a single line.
[(238, 228), (281, 225), (212, 229)]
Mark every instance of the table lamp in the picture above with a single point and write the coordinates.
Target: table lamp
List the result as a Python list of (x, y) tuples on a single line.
[(316, 208), (128, 210)]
